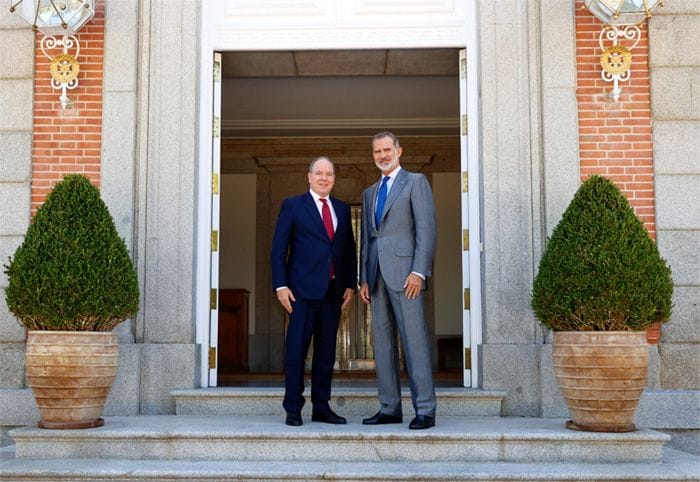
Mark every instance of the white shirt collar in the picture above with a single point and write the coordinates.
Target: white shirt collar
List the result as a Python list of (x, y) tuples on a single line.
[(393, 175), (317, 197)]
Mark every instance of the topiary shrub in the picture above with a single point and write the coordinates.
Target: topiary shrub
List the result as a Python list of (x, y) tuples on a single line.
[(600, 270), (73, 271)]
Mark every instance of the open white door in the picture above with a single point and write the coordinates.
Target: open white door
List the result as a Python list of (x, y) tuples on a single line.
[(215, 210), (471, 244)]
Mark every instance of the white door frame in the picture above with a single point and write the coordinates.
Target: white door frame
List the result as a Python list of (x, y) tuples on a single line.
[(335, 25)]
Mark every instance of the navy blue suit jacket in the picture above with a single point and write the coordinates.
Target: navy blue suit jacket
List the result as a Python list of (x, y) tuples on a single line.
[(302, 251)]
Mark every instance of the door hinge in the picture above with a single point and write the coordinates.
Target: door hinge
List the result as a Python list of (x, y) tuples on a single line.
[(467, 358), (212, 357), (467, 299), (465, 240), (464, 125), (212, 299), (216, 70), (216, 127), (215, 183), (465, 181), (214, 240)]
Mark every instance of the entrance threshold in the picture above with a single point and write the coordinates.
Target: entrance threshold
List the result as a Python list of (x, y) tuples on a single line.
[(354, 379), (346, 400)]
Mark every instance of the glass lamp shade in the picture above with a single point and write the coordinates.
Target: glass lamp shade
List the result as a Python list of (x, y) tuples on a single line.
[(622, 12), (55, 17)]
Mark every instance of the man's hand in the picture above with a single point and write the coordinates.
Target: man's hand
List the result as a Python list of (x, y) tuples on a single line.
[(347, 298), (412, 285), (364, 293), (286, 297)]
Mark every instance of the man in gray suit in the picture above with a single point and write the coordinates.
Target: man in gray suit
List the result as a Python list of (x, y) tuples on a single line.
[(398, 242)]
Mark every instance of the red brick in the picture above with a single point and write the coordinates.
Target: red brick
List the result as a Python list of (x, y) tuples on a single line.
[(69, 141)]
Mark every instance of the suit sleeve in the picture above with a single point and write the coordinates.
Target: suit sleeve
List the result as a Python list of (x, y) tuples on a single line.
[(423, 208), (280, 245), (364, 238)]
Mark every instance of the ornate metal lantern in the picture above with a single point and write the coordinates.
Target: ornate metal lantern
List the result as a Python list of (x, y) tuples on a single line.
[(58, 20), (621, 19), (622, 12)]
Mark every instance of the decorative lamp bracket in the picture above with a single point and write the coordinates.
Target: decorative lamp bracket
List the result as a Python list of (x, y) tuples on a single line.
[(616, 59), (58, 21), (621, 19), (64, 66)]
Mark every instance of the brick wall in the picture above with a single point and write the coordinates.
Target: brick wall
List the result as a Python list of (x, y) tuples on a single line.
[(68, 141), (615, 137)]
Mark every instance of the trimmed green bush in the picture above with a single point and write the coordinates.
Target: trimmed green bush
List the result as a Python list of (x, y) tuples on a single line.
[(600, 270), (73, 271)]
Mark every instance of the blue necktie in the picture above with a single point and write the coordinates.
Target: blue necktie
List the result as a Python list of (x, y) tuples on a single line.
[(381, 200)]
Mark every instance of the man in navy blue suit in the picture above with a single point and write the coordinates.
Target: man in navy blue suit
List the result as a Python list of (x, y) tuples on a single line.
[(314, 273)]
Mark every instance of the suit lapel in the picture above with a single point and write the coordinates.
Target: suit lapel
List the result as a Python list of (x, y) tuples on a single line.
[(313, 214), (339, 215), (373, 200), (396, 188)]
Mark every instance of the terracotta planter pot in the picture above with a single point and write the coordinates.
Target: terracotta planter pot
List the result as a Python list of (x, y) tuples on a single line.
[(71, 374), (601, 376)]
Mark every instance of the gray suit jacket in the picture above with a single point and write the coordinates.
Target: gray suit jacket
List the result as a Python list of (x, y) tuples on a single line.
[(405, 240)]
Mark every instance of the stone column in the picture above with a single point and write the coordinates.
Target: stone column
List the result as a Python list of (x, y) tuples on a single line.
[(118, 173), (149, 165), (530, 171), (16, 96), (675, 94)]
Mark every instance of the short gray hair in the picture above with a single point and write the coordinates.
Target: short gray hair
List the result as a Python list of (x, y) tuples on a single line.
[(388, 134), (322, 158)]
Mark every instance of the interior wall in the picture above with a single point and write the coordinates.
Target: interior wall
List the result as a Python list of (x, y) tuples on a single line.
[(238, 236), (447, 272), (326, 105)]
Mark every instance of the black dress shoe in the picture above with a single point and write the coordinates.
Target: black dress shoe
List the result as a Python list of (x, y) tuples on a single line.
[(328, 416), (422, 421), (294, 419), (382, 418)]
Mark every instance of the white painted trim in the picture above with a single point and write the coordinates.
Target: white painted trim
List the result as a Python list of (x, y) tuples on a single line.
[(436, 31), (474, 156), (215, 220), (203, 221), (340, 124), (464, 215)]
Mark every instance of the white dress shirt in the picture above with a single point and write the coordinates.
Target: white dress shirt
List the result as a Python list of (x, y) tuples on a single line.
[(319, 206)]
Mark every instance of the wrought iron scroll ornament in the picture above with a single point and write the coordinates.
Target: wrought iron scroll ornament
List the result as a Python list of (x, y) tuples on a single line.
[(58, 21), (621, 19), (616, 58), (64, 66)]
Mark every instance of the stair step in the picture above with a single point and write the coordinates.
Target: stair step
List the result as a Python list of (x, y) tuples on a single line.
[(347, 401), (266, 438), (675, 466)]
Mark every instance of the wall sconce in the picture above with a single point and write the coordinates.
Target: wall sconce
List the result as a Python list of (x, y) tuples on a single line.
[(621, 19), (58, 20)]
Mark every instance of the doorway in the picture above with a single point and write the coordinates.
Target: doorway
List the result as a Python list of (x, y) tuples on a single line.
[(281, 109)]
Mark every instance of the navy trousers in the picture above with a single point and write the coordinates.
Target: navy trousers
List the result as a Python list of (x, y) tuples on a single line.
[(317, 320)]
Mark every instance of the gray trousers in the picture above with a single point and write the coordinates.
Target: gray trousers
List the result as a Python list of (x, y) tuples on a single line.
[(392, 310)]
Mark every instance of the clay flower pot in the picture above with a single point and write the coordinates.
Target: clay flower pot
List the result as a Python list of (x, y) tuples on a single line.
[(71, 374), (601, 375)]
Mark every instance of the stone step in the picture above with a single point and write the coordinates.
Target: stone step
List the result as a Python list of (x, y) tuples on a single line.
[(674, 466), (347, 401), (266, 438)]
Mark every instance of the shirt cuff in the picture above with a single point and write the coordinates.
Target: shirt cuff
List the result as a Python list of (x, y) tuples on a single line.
[(284, 287), (419, 275)]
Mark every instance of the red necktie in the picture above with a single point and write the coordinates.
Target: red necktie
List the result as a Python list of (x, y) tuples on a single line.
[(328, 223)]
